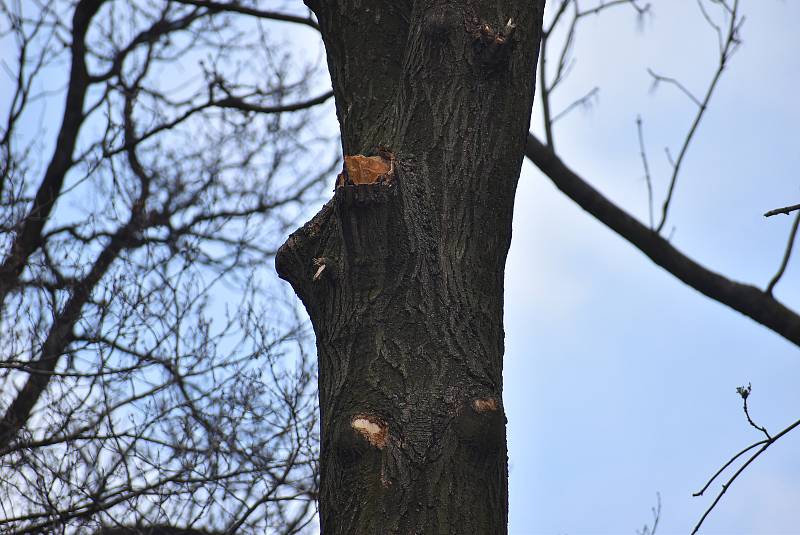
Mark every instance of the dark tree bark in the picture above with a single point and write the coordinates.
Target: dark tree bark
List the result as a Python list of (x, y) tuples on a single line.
[(403, 279)]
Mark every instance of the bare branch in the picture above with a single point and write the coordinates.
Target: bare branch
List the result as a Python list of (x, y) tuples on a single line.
[(657, 78), (656, 511), (585, 101), (235, 7), (544, 92), (726, 465), (242, 105), (744, 392), (762, 446), (786, 255), (744, 298), (635, 4), (18, 412), (786, 210), (729, 47), (128, 399), (564, 65), (28, 238), (156, 31), (647, 179)]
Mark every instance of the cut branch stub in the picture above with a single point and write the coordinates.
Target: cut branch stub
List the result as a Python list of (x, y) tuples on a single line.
[(358, 169), (491, 46)]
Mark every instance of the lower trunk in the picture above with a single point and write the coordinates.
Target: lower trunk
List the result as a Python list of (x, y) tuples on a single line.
[(403, 276), (413, 431)]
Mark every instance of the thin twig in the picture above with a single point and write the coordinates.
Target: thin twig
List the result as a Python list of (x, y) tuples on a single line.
[(603, 5), (731, 43), (565, 63), (547, 30), (658, 78), (546, 87), (711, 23), (245, 10), (668, 154), (726, 465), (765, 444), (786, 210), (646, 169), (786, 255), (584, 101), (545, 94), (744, 391), (753, 424), (647, 530)]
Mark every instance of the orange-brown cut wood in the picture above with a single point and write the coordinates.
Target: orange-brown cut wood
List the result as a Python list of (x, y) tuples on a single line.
[(365, 170)]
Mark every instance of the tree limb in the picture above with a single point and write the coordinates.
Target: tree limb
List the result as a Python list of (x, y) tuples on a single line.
[(786, 210), (744, 298), (244, 10), (241, 104), (29, 237), (55, 345)]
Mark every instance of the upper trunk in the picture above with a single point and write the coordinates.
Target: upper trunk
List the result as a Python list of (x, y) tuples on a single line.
[(403, 279)]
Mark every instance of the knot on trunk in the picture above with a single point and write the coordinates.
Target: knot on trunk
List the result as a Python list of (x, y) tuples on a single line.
[(480, 424), (371, 428), (492, 46), (361, 438)]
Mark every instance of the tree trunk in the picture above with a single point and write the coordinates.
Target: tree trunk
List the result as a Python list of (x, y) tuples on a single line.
[(403, 277)]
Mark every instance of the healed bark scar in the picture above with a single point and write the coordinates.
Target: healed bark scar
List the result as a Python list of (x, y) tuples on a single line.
[(373, 429), (485, 405), (359, 169)]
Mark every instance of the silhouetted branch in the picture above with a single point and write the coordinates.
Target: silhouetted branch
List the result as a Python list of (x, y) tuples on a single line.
[(605, 4), (242, 105), (27, 239), (727, 50), (744, 392), (565, 63), (647, 179), (151, 374), (744, 298), (786, 255), (235, 7), (584, 101), (786, 210), (657, 78), (647, 530)]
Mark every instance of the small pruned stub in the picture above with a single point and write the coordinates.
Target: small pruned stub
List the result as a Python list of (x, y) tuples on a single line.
[(371, 428), (491, 44), (359, 169)]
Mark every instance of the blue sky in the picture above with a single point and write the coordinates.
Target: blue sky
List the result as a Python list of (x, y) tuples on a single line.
[(620, 380)]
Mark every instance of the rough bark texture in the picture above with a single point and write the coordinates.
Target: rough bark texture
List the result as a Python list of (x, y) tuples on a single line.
[(403, 280)]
